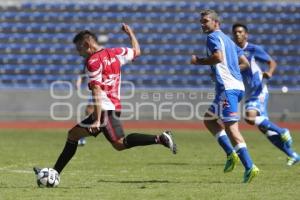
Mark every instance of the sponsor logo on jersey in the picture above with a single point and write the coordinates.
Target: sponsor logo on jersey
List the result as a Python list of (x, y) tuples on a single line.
[(107, 61), (232, 114)]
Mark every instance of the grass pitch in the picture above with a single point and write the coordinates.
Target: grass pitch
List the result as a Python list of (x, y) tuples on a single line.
[(99, 172)]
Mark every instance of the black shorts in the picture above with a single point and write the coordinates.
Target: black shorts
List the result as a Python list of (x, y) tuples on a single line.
[(111, 125)]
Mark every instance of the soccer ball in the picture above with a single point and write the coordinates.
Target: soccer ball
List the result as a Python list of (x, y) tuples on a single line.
[(48, 177)]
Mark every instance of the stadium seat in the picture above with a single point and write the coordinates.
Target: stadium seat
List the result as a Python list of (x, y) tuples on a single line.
[(36, 39)]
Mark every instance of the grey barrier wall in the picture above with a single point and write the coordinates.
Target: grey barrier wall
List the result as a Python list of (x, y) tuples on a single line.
[(69, 104)]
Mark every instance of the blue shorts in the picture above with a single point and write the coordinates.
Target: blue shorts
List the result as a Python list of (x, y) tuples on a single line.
[(225, 105), (259, 103)]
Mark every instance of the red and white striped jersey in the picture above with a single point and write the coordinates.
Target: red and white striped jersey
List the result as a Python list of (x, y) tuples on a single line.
[(104, 69)]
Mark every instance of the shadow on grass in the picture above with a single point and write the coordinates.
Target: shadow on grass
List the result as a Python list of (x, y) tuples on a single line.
[(169, 163), (165, 181), (134, 181)]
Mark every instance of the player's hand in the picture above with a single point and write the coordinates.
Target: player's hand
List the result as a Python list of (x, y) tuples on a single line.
[(194, 60), (127, 29), (94, 127), (267, 75)]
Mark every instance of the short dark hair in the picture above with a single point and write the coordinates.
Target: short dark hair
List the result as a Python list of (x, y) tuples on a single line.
[(84, 34), (212, 13), (234, 26)]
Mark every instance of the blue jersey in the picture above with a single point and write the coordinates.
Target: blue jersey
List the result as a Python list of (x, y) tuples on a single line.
[(227, 74), (253, 76)]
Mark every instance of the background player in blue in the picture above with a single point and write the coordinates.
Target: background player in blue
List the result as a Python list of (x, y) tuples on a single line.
[(256, 98), (225, 59)]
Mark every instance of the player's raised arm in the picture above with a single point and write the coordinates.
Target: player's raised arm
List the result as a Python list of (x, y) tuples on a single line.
[(134, 42)]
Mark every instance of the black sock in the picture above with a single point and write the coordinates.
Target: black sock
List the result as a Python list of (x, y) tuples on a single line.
[(66, 155), (138, 139)]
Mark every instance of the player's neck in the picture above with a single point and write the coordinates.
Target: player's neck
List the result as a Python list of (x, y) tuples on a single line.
[(214, 30), (97, 48), (243, 44)]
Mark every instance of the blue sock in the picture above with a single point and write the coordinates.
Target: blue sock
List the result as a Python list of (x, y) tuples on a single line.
[(244, 155), (224, 142), (264, 124), (276, 140)]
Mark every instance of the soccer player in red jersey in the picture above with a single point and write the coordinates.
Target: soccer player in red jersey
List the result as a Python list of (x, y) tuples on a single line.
[(103, 66)]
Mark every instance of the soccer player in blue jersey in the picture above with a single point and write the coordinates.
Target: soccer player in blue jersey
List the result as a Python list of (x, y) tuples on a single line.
[(225, 59), (257, 95)]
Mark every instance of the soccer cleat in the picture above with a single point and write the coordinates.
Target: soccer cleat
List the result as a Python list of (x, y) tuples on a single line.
[(167, 140), (287, 138), (81, 142), (231, 162), (293, 160), (250, 174), (36, 170)]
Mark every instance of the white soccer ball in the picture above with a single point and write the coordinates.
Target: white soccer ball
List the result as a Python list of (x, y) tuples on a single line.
[(48, 177), (284, 89)]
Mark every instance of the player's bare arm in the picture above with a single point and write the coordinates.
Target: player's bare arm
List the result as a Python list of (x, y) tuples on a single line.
[(272, 66), (134, 42), (215, 58), (96, 90), (243, 62)]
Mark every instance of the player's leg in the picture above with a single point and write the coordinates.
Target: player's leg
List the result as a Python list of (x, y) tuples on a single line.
[(114, 132), (88, 111), (272, 136), (262, 121), (257, 110), (265, 124), (77, 132), (217, 130), (230, 119)]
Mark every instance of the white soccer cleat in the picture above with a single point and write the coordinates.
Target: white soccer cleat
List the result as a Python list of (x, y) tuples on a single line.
[(167, 140)]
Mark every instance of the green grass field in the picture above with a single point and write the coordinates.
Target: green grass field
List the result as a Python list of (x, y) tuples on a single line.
[(99, 172)]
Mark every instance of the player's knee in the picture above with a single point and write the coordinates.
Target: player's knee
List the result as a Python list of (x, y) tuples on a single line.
[(72, 135), (251, 116), (118, 146)]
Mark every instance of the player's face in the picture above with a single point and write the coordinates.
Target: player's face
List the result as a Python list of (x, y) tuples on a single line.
[(82, 49), (208, 25), (240, 35)]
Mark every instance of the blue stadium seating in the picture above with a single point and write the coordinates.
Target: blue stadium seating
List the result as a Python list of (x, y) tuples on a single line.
[(36, 40)]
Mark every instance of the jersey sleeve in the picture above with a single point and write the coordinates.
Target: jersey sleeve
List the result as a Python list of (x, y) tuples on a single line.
[(94, 71), (213, 43), (124, 54), (261, 55)]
